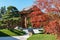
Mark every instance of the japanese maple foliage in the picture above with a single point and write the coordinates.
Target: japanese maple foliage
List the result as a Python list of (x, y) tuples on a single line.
[(49, 5), (37, 17), (51, 27)]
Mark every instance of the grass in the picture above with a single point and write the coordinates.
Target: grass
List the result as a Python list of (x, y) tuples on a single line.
[(14, 32), (42, 37)]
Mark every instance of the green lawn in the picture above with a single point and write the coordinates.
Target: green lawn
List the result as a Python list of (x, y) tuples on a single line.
[(42, 37), (6, 32)]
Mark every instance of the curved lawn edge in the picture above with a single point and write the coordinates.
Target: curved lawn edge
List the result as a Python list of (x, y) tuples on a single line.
[(42, 37)]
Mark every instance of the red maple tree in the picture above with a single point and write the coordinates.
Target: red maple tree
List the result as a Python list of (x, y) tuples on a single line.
[(49, 21), (37, 17)]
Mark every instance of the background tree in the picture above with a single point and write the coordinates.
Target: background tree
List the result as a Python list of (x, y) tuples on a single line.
[(2, 11)]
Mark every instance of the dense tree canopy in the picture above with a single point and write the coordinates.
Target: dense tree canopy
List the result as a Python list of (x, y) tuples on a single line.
[(11, 18), (37, 17)]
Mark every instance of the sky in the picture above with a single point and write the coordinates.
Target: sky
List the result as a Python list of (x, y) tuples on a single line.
[(19, 4)]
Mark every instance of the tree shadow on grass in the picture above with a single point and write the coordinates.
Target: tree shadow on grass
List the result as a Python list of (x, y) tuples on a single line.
[(3, 34), (18, 32)]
